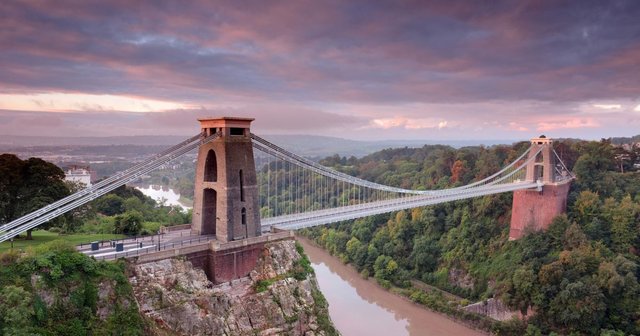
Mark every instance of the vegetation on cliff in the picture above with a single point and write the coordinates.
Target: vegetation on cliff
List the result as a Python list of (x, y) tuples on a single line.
[(54, 290), (580, 276)]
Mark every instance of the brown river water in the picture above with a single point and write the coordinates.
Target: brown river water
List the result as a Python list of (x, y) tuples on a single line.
[(361, 307)]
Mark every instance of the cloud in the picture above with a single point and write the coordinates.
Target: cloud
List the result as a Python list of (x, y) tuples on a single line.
[(408, 123), (349, 52), (65, 102), (568, 124), (517, 127), (608, 106), (315, 66)]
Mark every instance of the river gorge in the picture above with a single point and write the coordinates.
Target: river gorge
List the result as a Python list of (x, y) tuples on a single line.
[(357, 306), (360, 307)]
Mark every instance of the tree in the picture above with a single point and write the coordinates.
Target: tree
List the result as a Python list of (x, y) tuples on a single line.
[(574, 237), (595, 159), (10, 181), (586, 206), (110, 205), (425, 254), (353, 247), (28, 185), (129, 223), (521, 289), (557, 229), (385, 268), (623, 217), (457, 171), (579, 305)]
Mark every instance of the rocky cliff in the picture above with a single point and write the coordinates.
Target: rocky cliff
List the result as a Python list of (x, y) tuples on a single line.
[(279, 297)]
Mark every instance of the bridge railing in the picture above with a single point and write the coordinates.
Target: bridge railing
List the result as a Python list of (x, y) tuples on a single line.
[(155, 248), (167, 229), (194, 242)]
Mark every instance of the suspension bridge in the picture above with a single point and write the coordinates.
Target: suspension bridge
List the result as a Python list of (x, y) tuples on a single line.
[(247, 186)]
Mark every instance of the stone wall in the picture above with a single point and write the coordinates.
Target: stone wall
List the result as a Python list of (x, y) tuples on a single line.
[(230, 264), (221, 262), (493, 308)]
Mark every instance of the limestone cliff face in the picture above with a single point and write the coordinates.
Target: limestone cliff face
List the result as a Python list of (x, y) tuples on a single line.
[(178, 299)]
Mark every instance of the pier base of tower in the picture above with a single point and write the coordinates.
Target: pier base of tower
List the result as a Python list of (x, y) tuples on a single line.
[(534, 210)]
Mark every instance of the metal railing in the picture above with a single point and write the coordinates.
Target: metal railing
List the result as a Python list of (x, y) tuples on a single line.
[(155, 248)]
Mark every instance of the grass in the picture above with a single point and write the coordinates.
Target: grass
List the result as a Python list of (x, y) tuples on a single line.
[(42, 236)]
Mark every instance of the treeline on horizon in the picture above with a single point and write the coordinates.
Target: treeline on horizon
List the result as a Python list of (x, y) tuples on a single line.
[(579, 277)]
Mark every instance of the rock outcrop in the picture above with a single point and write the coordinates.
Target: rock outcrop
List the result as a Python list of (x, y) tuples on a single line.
[(494, 309), (178, 299), (460, 278)]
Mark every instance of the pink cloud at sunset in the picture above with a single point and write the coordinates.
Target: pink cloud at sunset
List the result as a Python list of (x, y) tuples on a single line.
[(566, 124)]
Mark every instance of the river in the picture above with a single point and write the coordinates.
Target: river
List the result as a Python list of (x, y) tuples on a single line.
[(162, 194), (360, 307)]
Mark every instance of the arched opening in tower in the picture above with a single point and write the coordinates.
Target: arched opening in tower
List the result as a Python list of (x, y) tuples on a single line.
[(209, 207), (539, 167), (243, 214), (211, 167)]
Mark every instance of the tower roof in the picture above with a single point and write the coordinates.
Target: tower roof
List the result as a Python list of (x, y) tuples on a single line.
[(541, 140), (215, 122)]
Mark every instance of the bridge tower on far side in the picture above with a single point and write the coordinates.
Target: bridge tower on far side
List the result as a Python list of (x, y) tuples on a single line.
[(534, 210), (226, 189)]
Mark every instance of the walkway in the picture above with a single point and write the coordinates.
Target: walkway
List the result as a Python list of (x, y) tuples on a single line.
[(143, 245)]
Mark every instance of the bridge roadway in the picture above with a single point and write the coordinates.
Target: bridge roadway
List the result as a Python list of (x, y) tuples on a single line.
[(183, 238), (321, 217)]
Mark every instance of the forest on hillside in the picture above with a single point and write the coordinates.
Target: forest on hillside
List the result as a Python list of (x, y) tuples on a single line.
[(579, 277)]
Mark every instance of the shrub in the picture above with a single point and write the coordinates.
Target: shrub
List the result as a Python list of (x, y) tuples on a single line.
[(129, 223), (262, 285)]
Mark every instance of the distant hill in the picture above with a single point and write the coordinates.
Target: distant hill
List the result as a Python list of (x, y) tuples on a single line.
[(143, 140), (306, 145), (625, 140), (322, 146)]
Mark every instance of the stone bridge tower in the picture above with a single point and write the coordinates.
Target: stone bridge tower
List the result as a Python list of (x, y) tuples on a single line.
[(535, 209), (226, 191)]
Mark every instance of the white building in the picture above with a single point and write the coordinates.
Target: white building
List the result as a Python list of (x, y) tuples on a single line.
[(79, 175)]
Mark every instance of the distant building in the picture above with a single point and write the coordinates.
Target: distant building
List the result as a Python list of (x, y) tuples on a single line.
[(79, 174)]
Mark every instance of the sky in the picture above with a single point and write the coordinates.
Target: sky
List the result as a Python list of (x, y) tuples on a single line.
[(451, 70)]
